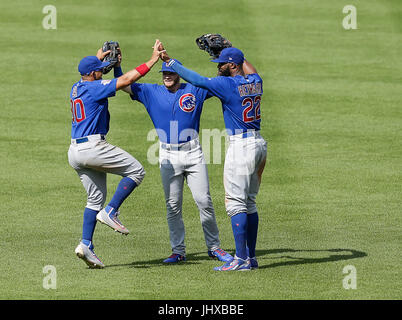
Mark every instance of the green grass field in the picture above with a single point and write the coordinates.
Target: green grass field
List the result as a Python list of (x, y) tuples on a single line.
[(331, 190)]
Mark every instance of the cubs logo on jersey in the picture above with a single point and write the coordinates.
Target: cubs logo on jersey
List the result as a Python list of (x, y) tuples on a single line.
[(187, 102)]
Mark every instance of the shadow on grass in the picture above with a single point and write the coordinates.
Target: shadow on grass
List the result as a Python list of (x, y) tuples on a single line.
[(191, 258), (331, 255)]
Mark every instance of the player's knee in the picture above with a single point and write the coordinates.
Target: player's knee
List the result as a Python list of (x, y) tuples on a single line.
[(203, 201), (251, 207), (96, 202), (173, 207), (235, 206), (141, 174), (138, 175)]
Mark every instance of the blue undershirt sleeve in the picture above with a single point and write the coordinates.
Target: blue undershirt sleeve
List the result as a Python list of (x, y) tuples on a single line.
[(118, 72), (190, 76), (217, 86)]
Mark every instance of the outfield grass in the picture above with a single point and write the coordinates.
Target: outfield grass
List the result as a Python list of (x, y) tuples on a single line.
[(331, 190)]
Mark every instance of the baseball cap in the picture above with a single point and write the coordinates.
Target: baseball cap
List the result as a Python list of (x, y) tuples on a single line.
[(231, 54), (167, 68), (91, 63)]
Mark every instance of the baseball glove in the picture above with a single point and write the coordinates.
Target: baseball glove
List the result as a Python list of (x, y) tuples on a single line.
[(213, 44), (112, 57)]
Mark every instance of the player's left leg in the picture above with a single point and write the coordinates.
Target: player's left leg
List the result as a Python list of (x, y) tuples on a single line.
[(109, 214), (252, 216), (112, 159), (198, 182), (124, 164), (236, 183)]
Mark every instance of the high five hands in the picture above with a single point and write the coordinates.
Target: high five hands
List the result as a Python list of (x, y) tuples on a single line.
[(158, 50), (163, 54)]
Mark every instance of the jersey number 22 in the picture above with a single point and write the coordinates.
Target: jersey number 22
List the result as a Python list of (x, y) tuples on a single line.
[(251, 111)]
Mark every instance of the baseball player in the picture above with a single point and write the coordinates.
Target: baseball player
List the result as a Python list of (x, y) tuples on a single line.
[(175, 110), (239, 87), (92, 156)]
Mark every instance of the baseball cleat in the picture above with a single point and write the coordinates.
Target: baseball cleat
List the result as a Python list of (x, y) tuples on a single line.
[(221, 254), (253, 263), (174, 258), (237, 264), (88, 255), (111, 219)]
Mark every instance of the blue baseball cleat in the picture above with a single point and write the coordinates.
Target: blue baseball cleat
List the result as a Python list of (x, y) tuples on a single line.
[(221, 254), (174, 258), (253, 263), (237, 264)]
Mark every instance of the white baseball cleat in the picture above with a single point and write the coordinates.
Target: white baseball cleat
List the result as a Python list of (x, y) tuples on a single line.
[(237, 264), (112, 220), (88, 255)]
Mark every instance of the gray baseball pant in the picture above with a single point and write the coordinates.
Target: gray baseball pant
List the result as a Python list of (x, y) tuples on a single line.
[(177, 163), (93, 159)]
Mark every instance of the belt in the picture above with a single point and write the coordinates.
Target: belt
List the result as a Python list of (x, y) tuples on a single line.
[(86, 139), (180, 147), (246, 134)]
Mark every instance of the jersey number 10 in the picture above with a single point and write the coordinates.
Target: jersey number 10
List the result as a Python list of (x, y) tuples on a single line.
[(251, 111), (78, 110)]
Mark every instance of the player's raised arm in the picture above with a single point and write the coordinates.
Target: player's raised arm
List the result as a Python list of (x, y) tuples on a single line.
[(186, 74), (216, 86), (248, 68), (133, 75), (118, 72), (213, 44)]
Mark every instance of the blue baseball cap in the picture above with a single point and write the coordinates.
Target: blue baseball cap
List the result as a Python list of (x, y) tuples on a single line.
[(233, 55), (169, 69), (91, 63)]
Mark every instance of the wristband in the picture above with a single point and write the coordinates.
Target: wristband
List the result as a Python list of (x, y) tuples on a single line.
[(142, 69), (117, 72), (170, 63)]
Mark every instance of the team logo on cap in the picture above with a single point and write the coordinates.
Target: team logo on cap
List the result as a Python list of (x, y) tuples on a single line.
[(187, 102)]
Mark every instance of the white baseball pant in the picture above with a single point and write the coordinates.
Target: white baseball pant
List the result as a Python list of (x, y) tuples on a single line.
[(244, 164)]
